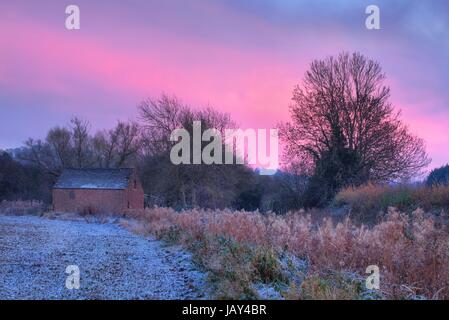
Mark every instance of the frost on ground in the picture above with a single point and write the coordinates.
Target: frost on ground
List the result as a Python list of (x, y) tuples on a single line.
[(113, 262)]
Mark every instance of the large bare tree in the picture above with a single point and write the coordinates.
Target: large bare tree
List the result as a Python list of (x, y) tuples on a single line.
[(341, 119), (188, 185)]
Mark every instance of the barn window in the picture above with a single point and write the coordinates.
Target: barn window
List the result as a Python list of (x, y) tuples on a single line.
[(72, 195), (129, 205), (135, 184)]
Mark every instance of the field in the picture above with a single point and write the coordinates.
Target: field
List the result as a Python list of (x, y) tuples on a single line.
[(315, 254)]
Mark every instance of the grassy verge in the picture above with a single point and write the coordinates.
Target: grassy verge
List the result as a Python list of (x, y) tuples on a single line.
[(248, 254)]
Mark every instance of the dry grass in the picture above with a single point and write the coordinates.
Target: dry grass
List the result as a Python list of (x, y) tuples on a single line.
[(29, 207), (369, 201), (239, 248), (328, 286)]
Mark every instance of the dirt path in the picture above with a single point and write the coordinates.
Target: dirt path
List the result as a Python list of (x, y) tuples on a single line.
[(113, 263)]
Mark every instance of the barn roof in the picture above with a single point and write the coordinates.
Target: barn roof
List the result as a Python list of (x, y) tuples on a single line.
[(116, 179)]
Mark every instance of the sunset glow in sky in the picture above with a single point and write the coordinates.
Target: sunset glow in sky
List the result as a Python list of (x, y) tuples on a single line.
[(239, 56)]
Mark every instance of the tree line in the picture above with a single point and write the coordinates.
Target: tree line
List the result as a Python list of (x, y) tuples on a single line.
[(343, 132)]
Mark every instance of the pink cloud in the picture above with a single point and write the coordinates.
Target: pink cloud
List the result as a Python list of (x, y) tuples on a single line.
[(53, 61)]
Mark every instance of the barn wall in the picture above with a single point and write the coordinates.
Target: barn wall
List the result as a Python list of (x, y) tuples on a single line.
[(135, 194), (75, 200)]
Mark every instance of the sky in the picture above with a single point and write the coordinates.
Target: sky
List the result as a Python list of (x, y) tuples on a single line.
[(238, 56)]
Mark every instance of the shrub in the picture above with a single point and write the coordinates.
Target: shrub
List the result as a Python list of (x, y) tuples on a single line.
[(439, 176), (268, 266)]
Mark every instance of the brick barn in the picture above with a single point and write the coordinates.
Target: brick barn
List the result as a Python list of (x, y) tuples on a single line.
[(97, 190)]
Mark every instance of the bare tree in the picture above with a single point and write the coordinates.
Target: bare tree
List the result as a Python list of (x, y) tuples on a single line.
[(128, 141), (159, 118), (39, 153), (115, 147), (80, 136), (188, 185), (341, 115), (104, 145), (73, 146), (60, 141)]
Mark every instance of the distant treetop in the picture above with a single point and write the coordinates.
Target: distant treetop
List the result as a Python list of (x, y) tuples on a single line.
[(439, 176)]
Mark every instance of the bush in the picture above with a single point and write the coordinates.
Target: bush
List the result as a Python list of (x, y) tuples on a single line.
[(23, 182), (267, 265), (438, 176)]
